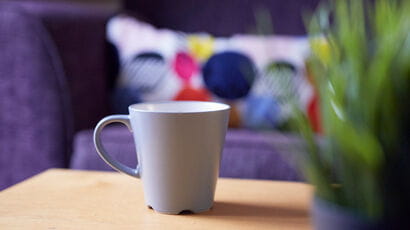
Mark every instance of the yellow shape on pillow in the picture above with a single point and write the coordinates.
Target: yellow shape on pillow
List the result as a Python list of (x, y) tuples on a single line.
[(321, 48), (201, 47)]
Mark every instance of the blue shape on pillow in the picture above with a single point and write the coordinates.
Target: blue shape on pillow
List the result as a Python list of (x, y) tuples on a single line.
[(261, 112), (122, 98), (229, 75)]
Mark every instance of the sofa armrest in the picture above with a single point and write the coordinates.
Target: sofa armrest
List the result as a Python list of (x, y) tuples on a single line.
[(35, 113)]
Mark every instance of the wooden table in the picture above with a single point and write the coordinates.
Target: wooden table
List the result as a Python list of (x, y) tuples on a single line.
[(66, 199)]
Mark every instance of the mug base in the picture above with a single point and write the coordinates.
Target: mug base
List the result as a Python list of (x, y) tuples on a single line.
[(179, 212)]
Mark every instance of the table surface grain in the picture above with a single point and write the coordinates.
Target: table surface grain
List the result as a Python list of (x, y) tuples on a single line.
[(68, 199)]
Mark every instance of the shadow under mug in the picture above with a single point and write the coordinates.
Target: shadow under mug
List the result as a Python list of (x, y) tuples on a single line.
[(179, 147)]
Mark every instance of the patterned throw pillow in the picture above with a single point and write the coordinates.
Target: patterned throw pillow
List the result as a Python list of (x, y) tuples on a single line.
[(251, 73)]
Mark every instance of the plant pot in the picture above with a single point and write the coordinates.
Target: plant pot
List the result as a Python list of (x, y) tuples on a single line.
[(329, 216)]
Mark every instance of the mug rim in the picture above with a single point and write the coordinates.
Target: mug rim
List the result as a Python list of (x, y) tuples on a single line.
[(212, 107)]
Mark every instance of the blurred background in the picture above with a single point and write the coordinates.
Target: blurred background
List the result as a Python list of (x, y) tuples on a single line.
[(64, 65)]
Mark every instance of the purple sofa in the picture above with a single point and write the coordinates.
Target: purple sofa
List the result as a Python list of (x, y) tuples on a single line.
[(57, 72)]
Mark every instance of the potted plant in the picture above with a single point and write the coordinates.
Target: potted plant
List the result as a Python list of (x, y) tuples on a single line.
[(361, 67)]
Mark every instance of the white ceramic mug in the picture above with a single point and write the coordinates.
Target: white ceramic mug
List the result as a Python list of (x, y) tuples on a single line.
[(179, 147)]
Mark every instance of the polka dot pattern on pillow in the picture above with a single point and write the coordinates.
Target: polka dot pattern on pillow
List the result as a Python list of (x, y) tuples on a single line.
[(251, 73)]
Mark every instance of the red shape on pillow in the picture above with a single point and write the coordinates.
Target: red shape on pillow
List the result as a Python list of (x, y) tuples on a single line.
[(314, 114), (191, 94), (185, 66)]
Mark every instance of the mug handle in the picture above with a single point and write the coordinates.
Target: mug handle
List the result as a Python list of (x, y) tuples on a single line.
[(124, 119)]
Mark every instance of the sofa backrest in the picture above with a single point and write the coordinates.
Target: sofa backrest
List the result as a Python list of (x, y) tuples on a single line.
[(223, 17), (78, 32)]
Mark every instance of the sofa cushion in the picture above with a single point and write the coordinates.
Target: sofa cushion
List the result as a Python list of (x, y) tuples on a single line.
[(246, 154)]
